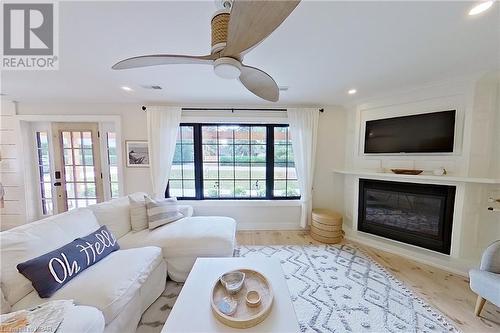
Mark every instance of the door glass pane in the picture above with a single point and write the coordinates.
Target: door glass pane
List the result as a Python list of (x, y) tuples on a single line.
[(68, 157), (68, 174), (78, 159), (88, 157), (45, 178), (113, 165), (66, 139), (70, 190), (87, 139), (79, 174), (113, 173), (77, 139), (79, 169), (80, 190)]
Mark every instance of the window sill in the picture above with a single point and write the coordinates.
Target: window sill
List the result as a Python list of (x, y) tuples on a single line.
[(241, 203)]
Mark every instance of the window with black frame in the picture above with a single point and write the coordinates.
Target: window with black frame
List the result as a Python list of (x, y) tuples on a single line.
[(233, 161), (182, 175)]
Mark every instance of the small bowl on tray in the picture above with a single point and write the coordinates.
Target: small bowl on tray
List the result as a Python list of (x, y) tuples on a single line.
[(253, 298), (233, 281)]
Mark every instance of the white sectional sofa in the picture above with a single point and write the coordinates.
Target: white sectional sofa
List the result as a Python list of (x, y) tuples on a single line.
[(125, 283)]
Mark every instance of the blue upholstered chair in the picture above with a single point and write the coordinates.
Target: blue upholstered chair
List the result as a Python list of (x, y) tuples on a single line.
[(485, 281)]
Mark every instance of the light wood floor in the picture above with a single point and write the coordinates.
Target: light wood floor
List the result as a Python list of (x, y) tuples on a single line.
[(447, 292)]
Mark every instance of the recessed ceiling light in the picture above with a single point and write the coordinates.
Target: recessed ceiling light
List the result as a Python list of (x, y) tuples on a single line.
[(352, 91), (127, 88), (481, 7)]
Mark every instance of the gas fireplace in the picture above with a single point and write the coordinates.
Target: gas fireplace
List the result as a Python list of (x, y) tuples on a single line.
[(417, 214)]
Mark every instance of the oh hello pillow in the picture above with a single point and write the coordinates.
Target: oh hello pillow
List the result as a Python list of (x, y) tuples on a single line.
[(51, 271)]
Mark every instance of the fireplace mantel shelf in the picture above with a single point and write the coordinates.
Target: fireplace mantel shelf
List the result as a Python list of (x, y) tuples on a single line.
[(454, 179)]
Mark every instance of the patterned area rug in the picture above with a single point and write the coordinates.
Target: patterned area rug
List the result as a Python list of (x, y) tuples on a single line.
[(334, 288)]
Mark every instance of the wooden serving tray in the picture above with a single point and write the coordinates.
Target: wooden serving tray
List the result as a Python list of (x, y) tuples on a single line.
[(407, 171), (245, 316)]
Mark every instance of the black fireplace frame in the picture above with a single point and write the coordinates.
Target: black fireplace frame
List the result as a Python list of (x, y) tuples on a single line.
[(441, 243)]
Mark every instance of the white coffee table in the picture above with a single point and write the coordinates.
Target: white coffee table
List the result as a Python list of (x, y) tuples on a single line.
[(192, 312)]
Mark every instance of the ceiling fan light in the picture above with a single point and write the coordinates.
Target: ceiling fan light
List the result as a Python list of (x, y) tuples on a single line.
[(227, 68)]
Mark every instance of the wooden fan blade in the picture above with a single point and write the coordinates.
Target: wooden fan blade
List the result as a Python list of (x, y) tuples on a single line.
[(259, 83), (250, 22), (163, 59)]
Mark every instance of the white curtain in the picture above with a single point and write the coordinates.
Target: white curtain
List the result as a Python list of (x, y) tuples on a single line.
[(304, 132), (163, 124)]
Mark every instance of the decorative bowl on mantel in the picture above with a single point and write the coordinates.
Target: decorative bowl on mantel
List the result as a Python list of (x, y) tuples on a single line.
[(407, 171)]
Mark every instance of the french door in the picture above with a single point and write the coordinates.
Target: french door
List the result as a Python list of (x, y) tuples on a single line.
[(77, 166)]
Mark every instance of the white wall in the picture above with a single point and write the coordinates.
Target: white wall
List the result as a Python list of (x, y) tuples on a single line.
[(330, 155), (250, 215), (476, 155)]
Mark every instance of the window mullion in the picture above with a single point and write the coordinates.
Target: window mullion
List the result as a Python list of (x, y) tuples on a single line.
[(270, 162), (198, 161)]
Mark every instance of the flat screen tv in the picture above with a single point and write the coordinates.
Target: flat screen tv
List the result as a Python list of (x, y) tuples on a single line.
[(422, 133)]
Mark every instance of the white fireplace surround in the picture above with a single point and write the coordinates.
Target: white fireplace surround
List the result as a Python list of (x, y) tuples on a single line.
[(477, 129)]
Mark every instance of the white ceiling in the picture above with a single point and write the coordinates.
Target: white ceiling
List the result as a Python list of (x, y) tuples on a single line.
[(322, 50)]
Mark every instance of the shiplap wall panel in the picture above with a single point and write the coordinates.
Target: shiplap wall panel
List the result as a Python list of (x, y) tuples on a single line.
[(11, 178), (13, 193), (9, 165), (11, 171), (8, 151), (7, 122), (8, 221), (12, 207), (8, 136)]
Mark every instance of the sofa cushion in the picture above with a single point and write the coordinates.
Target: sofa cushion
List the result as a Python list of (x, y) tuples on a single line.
[(114, 214), (51, 271), (76, 223), (185, 240), (109, 285), (34, 239), (138, 214), (82, 319)]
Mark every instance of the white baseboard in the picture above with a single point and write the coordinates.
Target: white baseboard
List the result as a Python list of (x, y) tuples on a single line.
[(268, 226), (449, 264)]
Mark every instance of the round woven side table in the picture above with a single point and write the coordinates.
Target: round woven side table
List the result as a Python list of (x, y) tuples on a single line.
[(326, 226)]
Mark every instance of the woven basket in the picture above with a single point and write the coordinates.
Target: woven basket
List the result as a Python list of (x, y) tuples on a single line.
[(326, 226)]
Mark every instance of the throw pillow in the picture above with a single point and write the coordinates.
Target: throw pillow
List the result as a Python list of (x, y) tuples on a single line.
[(51, 271), (138, 214), (161, 212)]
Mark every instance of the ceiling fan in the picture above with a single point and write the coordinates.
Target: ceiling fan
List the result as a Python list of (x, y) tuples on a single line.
[(237, 28)]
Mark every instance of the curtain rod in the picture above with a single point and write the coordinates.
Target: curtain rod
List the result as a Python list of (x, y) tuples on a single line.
[(231, 109)]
